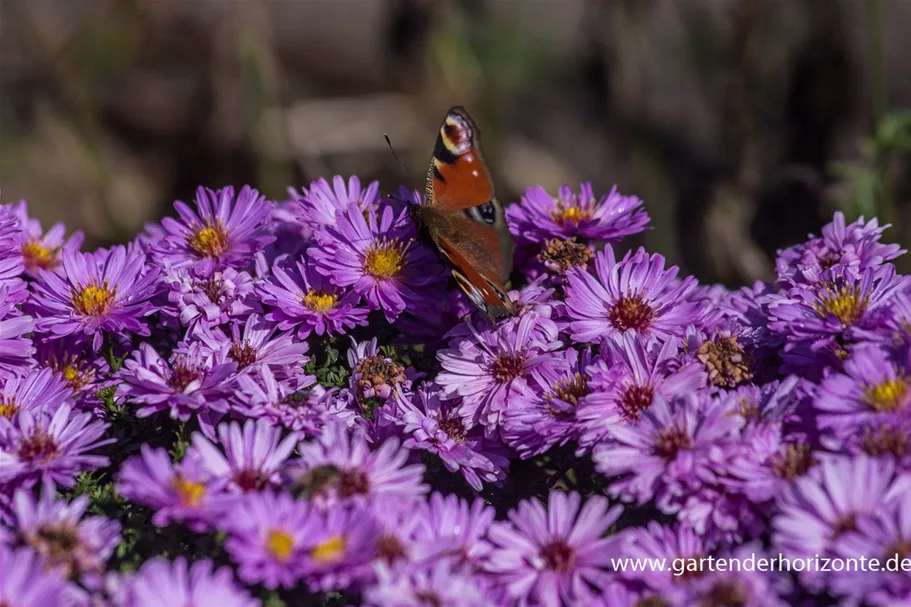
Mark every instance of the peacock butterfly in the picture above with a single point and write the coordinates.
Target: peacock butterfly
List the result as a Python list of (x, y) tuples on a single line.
[(463, 217)]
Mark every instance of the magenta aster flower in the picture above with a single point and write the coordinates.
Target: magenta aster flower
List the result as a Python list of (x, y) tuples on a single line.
[(251, 457), (16, 349), (41, 250), (319, 205), (161, 583), (625, 380), (52, 445), (435, 426), (30, 392), (304, 300), (222, 229), (96, 293), (354, 472), (268, 537), (341, 548), (25, 581), (670, 452), (62, 534), (191, 383), (547, 556), (83, 370), (491, 369), (456, 529), (440, 584), (538, 216), (183, 492), (871, 389), (202, 296), (635, 294), (11, 264), (376, 254), (306, 412)]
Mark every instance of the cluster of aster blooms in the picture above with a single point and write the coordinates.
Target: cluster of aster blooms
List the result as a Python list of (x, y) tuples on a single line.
[(287, 403)]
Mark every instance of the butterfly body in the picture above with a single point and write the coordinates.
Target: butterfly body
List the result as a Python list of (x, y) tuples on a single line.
[(463, 217)]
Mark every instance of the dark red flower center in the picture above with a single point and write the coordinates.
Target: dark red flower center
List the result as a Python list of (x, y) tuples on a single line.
[(793, 460), (725, 593), (428, 598), (353, 482), (671, 440), (558, 556), (390, 549), (56, 541), (183, 375), (39, 448), (250, 479), (631, 312), (652, 600), (634, 400), (507, 367), (243, 353), (214, 288), (846, 523), (885, 440)]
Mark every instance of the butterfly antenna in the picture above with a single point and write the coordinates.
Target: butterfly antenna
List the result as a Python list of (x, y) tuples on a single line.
[(401, 166)]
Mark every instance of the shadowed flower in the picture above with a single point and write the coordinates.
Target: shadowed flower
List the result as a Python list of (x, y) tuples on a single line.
[(96, 293), (222, 230), (251, 457), (304, 300), (51, 445), (162, 583), (376, 254), (83, 371), (635, 294), (550, 556), (539, 216)]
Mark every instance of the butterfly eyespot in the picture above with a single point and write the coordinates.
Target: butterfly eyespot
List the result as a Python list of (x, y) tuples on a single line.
[(484, 213)]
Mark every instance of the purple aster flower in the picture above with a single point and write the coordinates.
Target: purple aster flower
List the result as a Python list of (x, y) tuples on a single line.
[(855, 247), (546, 556), (436, 426), (74, 362), (304, 300), (341, 548), (183, 492), (830, 501), (161, 583), (871, 389), (834, 305), (192, 383), (625, 380), (30, 392), (350, 472), (402, 526), (319, 205), (670, 452), (440, 584), (41, 250), (25, 581), (885, 536), (62, 534), (268, 537), (539, 216), (202, 296), (261, 395), (635, 294), (557, 257), (16, 349), (11, 264), (456, 529), (251, 457), (374, 375), (490, 370), (96, 293), (52, 445), (429, 325), (222, 230), (376, 254)]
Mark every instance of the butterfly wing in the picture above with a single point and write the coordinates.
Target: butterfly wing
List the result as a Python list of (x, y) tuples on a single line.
[(463, 216)]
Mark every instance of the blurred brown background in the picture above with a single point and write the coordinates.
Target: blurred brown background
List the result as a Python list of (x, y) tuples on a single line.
[(742, 123)]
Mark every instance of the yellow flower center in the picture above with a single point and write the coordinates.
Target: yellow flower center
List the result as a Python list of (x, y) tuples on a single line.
[(384, 258), (887, 397), (93, 300), (8, 408), (189, 492), (845, 303), (572, 213), (319, 301), (279, 544), (36, 255), (210, 241), (330, 550)]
